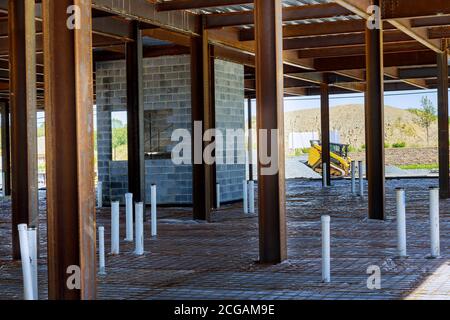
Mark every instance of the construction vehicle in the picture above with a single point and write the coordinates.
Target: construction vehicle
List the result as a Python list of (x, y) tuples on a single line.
[(340, 162)]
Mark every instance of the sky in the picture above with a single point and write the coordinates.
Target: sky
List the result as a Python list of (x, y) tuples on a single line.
[(398, 99)]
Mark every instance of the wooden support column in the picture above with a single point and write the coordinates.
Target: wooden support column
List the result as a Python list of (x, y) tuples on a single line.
[(442, 63), (24, 179), (270, 115), (6, 149), (325, 123), (203, 105), (70, 150), (375, 125), (135, 114), (250, 139)]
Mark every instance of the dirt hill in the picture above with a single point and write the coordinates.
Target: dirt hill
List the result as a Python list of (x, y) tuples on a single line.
[(349, 121)]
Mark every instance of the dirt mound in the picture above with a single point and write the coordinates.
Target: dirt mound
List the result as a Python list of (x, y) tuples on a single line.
[(349, 121)]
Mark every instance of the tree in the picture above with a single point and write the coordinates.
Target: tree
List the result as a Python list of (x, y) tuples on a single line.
[(119, 135), (425, 116)]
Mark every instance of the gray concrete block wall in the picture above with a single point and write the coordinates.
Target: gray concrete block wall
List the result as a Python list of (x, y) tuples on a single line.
[(230, 106), (166, 86)]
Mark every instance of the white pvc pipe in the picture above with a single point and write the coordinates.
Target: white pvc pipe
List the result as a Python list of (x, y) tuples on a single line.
[(139, 225), (401, 223), (361, 179), (101, 251), (3, 184), (154, 212), (434, 222), (115, 228), (324, 175), (100, 194), (326, 273), (251, 187), (353, 169), (32, 247), (26, 264), (129, 216), (245, 196), (218, 198)]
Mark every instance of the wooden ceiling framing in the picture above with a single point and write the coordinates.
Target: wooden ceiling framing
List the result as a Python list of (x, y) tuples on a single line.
[(323, 39)]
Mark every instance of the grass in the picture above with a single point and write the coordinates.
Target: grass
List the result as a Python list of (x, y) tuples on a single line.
[(419, 166)]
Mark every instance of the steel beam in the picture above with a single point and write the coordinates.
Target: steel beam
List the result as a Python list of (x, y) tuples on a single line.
[(6, 149), (442, 63), (70, 151), (325, 128), (198, 4), (24, 180), (250, 139), (203, 105), (293, 13), (135, 114), (375, 123), (270, 115), (398, 9)]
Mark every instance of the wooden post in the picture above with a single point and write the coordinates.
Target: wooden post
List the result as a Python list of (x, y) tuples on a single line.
[(6, 149), (270, 115), (375, 125), (325, 124), (135, 114), (442, 63), (70, 150), (24, 177)]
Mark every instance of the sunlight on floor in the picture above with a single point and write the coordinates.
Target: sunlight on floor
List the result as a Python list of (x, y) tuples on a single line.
[(436, 286)]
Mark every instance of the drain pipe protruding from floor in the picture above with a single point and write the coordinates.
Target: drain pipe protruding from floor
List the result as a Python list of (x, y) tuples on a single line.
[(26, 262), (33, 245), (139, 248), (326, 274), (3, 194), (245, 196), (101, 251), (115, 228), (361, 179), (154, 226), (324, 175), (99, 194), (353, 172), (129, 217), (434, 222), (401, 222), (218, 198), (251, 186)]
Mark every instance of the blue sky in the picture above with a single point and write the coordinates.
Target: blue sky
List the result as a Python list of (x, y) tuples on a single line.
[(400, 99)]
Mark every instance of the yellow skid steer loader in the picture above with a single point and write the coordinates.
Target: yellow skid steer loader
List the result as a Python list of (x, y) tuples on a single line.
[(340, 161)]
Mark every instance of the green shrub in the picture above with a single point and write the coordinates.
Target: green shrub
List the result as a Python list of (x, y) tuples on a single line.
[(305, 150), (352, 149), (387, 145), (298, 152), (398, 145)]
